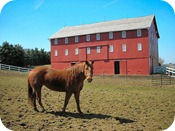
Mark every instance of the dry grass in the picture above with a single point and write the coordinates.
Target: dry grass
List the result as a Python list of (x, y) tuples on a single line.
[(109, 103)]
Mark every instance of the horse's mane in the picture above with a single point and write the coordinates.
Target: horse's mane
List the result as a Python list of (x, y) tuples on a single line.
[(76, 70)]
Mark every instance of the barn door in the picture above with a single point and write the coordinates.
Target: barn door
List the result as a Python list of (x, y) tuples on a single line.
[(116, 67)]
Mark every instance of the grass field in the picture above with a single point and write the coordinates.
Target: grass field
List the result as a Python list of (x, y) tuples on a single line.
[(109, 103)]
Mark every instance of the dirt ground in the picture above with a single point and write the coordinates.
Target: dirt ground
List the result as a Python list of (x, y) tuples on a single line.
[(109, 103)]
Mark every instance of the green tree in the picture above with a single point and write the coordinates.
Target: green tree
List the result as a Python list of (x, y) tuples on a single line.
[(16, 55), (13, 55)]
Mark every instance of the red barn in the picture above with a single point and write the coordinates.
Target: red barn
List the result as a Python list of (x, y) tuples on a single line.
[(127, 46)]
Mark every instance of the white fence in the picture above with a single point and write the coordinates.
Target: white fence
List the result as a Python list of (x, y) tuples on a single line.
[(13, 68), (170, 71)]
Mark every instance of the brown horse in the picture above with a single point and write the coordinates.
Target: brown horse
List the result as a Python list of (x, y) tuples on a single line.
[(69, 81)]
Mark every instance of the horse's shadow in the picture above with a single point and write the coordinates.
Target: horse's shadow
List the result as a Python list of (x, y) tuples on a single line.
[(91, 116)]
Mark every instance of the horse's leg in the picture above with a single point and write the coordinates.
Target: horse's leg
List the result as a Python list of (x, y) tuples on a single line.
[(34, 101), (77, 96), (68, 95), (38, 96)]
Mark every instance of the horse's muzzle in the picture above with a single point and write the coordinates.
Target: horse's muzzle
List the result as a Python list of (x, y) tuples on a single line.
[(89, 80)]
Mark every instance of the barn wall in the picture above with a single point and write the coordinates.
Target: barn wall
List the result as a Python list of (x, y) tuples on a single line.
[(131, 62), (60, 66), (104, 67), (138, 66), (153, 46)]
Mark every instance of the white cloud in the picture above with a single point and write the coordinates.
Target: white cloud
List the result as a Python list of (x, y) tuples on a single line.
[(38, 4)]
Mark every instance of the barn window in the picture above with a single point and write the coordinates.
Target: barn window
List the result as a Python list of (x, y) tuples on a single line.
[(97, 36), (139, 46), (76, 38), (66, 40), (139, 32), (87, 37), (55, 41), (123, 34), (110, 35), (66, 52), (124, 47), (98, 49), (76, 51), (88, 50), (56, 52), (111, 48)]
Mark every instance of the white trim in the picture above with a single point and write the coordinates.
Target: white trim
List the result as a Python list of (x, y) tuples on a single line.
[(88, 49), (55, 41), (98, 49), (98, 36), (76, 51), (139, 46), (123, 34), (111, 35), (111, 48), (139, 32), (66, 52), (66, 40), (55, 52), (88, 38), (124, 47), (76, 39)]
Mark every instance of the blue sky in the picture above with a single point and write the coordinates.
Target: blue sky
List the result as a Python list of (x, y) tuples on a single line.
[(31, 22)]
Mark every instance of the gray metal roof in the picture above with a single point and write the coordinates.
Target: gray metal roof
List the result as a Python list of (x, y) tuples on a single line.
[(108, 26)]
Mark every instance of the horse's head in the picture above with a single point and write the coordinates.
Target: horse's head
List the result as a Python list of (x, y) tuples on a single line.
[(88, 71)]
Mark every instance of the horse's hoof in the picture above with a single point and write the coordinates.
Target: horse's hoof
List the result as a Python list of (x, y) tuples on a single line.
[(81, 112), (43, 111), (36, 110), (63, 111)]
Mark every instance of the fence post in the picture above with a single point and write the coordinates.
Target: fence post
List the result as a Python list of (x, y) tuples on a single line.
[(161, 79), (9, 67)]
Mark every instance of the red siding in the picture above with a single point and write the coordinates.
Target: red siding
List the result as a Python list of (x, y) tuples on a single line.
[(131, 62)]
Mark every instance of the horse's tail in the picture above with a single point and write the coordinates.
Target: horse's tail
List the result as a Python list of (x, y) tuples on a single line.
[(30, 92)]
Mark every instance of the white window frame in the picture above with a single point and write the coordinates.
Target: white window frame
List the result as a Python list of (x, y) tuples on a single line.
[(66, 40), (98, 36), (124, 48), (139, 32), (55, 41), (88, 38), (98, 49), (123, 34), (88, 50), (56, 52), (76, 51), (66, 52), (111, 35), (76, 38), (139, 46), (111, 48)]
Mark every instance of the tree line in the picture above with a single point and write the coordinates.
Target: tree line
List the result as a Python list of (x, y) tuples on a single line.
[(17, 56)]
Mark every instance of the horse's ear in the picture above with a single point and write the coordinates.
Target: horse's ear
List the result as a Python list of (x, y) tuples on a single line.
[(86, 62), (92, 62)]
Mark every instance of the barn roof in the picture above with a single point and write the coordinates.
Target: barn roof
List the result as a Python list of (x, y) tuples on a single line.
[(108, 26)]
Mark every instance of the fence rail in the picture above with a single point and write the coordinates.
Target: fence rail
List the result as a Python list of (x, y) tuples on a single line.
[(170, 71), (13, 68), (162, 80)]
